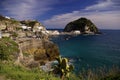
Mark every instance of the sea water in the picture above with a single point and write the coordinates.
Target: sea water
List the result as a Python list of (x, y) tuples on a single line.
[(91, 51)]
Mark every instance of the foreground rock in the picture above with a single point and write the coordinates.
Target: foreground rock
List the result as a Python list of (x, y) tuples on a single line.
[(85, 26)]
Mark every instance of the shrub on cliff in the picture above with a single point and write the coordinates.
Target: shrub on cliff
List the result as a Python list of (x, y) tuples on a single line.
[(39, 54), (8, 48)]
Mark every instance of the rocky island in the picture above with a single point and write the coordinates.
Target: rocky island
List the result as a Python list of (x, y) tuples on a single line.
[(82, 26)]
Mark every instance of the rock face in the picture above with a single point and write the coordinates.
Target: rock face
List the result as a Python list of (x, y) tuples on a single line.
[(83, 25), (42, 50)]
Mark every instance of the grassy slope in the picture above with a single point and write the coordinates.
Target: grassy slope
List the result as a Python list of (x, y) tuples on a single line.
[(15, 72)]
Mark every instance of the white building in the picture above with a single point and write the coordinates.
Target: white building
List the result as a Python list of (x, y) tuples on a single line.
[(41, 28), (7, 17), (76, 32), (24, 27), (55, 32), (52, 32), (28, 28)]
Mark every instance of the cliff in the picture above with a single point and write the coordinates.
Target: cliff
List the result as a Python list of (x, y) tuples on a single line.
[(46, 50), (30, 35), (83, 25)]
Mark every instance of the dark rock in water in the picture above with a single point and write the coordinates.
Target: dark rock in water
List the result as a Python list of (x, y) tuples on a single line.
[(83, 25)]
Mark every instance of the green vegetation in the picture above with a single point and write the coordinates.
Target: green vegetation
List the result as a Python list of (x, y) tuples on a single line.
[(63, 68), (103, 73), (18, 28), (14, 34), (40, 54), (8, 48), (15, 72)]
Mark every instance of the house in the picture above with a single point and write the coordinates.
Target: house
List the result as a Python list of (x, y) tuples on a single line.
[(76, 32), (24, 27), (40, 28), (29, 28), (7, 17)]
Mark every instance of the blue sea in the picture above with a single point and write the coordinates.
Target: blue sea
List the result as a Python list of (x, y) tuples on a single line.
[(91, 51)]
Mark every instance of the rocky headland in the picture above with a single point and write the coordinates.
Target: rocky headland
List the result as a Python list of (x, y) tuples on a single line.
[(32, 39)]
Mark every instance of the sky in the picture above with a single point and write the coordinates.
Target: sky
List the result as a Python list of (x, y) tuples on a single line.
[(55, 14)]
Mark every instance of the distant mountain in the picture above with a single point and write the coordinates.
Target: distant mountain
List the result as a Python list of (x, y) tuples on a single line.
[(83, 25)]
